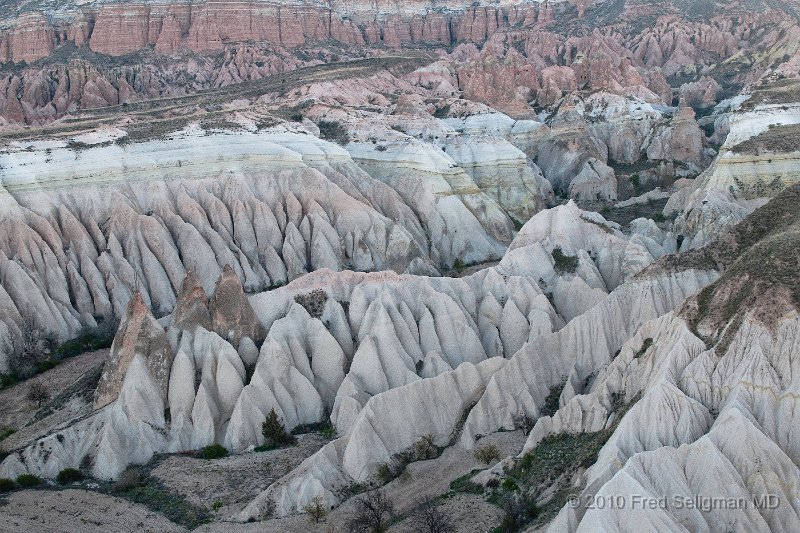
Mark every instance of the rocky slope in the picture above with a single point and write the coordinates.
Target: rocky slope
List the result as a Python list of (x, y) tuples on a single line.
[(331, 342), (431, 227)]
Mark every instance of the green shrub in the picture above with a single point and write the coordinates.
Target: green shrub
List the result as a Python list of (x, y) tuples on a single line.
[(69, 475), (128, 480), (6, 432), (215, 451), (328, 431), (88, 340), (564, 263), (6, 485), (488, 454), (465, 484), (384, 473), (8, 380), (442, 112), (28, 480), (333, 131), (274, 432)]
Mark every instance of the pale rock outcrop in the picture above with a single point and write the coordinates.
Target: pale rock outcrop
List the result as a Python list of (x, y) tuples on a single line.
[(139, 335), (502, 172), (232, 317), (595, 181), (376, 436), (578, 348)]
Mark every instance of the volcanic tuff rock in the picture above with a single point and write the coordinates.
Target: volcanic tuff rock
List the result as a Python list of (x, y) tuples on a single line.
[(395, 331), (139, 336), (319, 210)]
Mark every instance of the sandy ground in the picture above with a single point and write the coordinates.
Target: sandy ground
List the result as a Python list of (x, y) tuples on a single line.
[(427, 478), (71, 510), (19, 413), (236, 480), (231, 482)]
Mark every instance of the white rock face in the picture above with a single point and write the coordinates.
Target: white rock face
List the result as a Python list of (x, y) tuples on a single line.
[(595, 181), (430, 407), (736, 183), (502, 172), (748, 451), (83, 228), (470, 226), (336, 342)]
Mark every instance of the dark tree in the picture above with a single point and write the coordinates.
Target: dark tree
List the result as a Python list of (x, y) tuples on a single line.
[(37, 393), (429, 517), (374, 511), (275, 434)]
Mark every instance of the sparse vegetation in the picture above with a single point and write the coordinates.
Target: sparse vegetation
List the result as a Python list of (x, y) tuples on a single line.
[(316, 510), (384, 473), (274, 432), (28, 480), (373, 514), (551, 403), (37, 393), (313, 302), (6, 485), (646, 344), (333, 131), (488, 454), (425, 448), (429, 517), (564, 264), (465, 484), (518, 511), (442, 111), (139, 488), (214, 451), (6, 432), (69, 475)]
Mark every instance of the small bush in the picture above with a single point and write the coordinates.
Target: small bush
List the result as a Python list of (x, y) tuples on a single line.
[(316, 510), (8, 380), (442, 112), (333, 131), (564, 263), (217, 506), (328, 431), (425, 448), (518, 511), (6, 485), (69, 475), (6, 432), (429, 517), (28, 480), (488, 454), (128, 480), (384, 473), (215, 451), (274, 432), (374, 512), (37, 393), (465, 484)]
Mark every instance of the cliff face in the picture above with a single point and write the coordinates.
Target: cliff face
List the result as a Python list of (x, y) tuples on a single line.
[(120, 29)]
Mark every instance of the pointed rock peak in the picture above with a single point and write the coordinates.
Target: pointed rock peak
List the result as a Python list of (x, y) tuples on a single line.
[(232, 316), (139, 333), (191, 308)]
